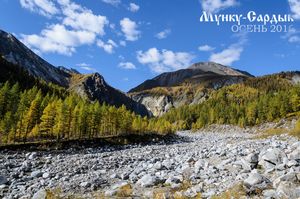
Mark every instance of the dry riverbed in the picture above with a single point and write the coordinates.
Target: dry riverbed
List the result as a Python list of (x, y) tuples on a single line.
[(189, 165)]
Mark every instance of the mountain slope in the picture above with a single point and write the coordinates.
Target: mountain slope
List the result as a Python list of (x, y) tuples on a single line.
[(185, 86), (16, 52), (92, 87), (175, 78)]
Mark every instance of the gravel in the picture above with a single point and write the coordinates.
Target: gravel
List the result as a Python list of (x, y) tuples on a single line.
[(211, 163)]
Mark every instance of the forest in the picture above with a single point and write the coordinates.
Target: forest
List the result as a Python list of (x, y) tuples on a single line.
[(31, 115), (32, 110), (255, 101)]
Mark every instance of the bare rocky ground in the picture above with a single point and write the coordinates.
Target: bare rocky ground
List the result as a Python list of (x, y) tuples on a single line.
[(205, 163)]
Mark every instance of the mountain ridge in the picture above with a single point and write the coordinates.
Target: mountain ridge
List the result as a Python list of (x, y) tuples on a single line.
[(90, 86)]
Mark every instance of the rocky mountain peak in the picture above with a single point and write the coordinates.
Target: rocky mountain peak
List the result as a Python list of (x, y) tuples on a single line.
[(218, 69), (16, 52)]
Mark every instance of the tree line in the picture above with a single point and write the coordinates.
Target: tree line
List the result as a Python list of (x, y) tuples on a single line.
[(255, 101), (28, 115)]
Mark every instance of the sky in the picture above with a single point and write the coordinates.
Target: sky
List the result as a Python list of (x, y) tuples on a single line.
[(129, 41)]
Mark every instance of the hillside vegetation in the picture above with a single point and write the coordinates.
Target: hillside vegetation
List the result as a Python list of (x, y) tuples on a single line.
[(252, 102), (32, 110)]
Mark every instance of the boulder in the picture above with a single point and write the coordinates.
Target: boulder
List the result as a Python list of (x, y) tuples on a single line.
[(256, 181), (36, 174), (147, 181), (41, 194), (272, 157), (3, 180)]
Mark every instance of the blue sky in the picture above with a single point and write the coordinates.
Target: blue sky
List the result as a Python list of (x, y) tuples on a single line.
[(129, 41)]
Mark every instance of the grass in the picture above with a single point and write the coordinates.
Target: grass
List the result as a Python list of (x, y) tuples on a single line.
[(296, 131), (125, 191), (271, 132), (279, 131), (235, 192)]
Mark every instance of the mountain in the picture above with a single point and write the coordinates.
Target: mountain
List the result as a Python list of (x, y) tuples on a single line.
[(92, 86), (16, 52), (186, 86)]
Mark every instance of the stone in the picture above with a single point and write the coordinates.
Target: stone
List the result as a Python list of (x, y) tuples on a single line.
[(41, 194), (295, 155), (32, 156), (256, 180), (85, 184), (36, 174), (125, 176), (46, 175), (174, 181), (288, 190), (270, 194), (115, 188), (157, 166), (252, 158), (200, 164), (272, 157), (289, 177), (292, 163), (147, 181), (3, 180)]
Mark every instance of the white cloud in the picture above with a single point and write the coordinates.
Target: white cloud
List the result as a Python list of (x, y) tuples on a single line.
[(163, 34), (133, 7), (232, 53), (86, 21), (206, 48), (214, 6), (43, 7), (81, 18), (83, 64), (227, 56), (165, 60), (295, 8), (107, 47), (129, 28), (127, 65), (58, 39), (78, 26), (88, 68), (112, 2)]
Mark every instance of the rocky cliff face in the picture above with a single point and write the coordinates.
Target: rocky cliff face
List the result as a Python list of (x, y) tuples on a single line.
[(94, 87), (16, 52), (184, 87)]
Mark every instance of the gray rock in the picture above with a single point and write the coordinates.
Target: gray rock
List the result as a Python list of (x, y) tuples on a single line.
[(252, 158), (36, 174), (147, 181), (41, 194), (272, 157), (85, 184), (32, 156), (46, 175), (270, 194), (3, 180), (288, 190), (256, 181), (295, 155)]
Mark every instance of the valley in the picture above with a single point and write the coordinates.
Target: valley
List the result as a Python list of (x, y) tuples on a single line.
[(202, 164), (215, 132)]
